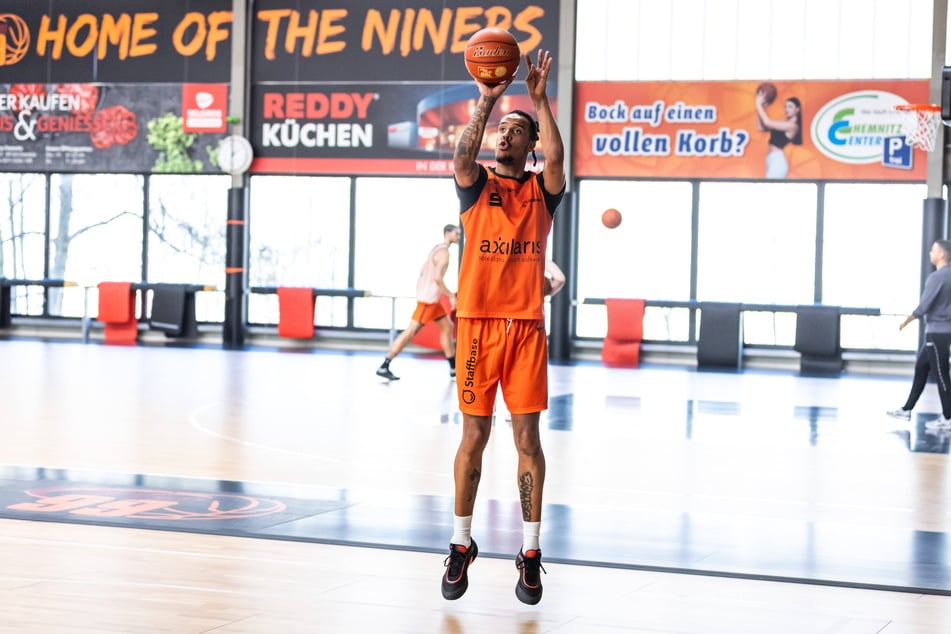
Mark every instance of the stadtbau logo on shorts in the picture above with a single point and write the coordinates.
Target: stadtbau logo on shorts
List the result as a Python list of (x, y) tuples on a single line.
[(851, 128)]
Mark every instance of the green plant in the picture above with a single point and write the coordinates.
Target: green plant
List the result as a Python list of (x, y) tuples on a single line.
[(165, 134)]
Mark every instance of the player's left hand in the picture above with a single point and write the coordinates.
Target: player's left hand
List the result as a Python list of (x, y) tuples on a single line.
[(537, 79)]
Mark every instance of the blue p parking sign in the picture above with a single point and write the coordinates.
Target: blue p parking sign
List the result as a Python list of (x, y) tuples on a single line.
[(897, 153)]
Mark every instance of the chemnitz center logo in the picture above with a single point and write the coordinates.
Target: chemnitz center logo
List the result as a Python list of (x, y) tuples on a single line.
[(851, 128)]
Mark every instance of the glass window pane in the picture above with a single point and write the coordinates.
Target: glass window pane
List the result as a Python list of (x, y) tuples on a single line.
[(187, 217), (757, 245), (300, 236), (647, 256), (94, 238), (22, 227), (398, 221), (872, 258)]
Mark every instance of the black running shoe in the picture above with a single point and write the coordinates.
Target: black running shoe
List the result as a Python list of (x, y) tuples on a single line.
[(456, 580), (386, 374), (529, 586)]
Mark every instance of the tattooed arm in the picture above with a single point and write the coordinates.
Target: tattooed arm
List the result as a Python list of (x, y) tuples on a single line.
[(464, 164)]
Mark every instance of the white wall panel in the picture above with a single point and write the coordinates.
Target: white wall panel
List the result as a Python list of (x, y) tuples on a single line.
[(753, 38), (787, 41), (891, 31), (719, 57), (630, 40), (821, 40), (655, 40), (686, 39)]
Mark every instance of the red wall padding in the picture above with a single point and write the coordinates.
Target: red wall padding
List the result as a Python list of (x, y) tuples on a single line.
[(296, 307), (117, 312), (622, 344)]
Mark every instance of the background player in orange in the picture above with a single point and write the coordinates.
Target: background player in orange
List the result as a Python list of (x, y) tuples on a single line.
[(555, 278), (429, 286), (506, 214)]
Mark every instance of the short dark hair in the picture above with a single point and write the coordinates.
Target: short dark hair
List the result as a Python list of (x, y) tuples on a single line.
[(944, 245), (449, 228), (532, 124)]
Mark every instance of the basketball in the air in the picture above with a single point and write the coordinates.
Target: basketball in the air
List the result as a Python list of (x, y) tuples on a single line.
[(611, 218), (492, 56), (769, 92)]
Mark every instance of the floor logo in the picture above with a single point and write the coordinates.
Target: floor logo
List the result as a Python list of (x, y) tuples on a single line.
[(852, 127), (145, 504), (14, 39)]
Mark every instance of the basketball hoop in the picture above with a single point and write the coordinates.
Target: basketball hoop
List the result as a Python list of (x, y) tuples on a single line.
[(920, 125)]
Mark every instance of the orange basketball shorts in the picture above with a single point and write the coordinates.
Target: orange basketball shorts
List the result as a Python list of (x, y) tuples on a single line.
[(511, 353), (426, 313)]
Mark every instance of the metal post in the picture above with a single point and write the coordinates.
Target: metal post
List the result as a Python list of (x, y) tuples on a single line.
[(934, 223), (564, 237), (236, 231), (565, 233), (939, 30)]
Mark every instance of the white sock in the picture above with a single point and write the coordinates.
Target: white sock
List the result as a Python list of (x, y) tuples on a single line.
[(530, 533), (461, 530)]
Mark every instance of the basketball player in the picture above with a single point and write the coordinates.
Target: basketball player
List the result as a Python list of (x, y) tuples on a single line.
[(506, 215), (429, 286), (935, 308), (555, 277)]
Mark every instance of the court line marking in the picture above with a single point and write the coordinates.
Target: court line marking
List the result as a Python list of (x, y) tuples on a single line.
[(195, 422)]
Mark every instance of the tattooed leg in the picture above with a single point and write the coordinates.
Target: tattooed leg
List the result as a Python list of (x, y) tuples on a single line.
[(531, 465), (467, 469)]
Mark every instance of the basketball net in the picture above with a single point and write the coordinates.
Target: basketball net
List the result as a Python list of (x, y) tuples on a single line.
[(920, 124)]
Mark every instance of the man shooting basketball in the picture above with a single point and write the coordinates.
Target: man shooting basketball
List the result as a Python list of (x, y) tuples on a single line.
[(506, 214)]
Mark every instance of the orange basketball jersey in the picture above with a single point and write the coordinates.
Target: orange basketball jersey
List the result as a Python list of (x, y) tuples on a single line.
[(503, 262)]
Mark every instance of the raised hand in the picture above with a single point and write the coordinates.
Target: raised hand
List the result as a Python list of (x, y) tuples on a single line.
[(537, 80)]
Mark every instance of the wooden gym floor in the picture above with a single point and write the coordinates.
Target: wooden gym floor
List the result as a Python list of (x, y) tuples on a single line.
[(182, 489)]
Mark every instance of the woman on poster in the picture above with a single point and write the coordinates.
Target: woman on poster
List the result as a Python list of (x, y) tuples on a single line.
[(782, 132)]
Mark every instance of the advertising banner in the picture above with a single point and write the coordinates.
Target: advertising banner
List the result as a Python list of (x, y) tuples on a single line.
[(386, 40), (377, 86), (115, 41), (103, 128), (407, 128), (352, 87), (831, 130), (113, 86)]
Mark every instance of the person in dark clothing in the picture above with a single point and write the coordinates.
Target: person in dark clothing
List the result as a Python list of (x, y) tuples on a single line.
[(935, 308)]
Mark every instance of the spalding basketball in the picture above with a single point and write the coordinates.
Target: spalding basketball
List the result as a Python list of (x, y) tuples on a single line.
[(492, 56), (611, 218), (769, 92)]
